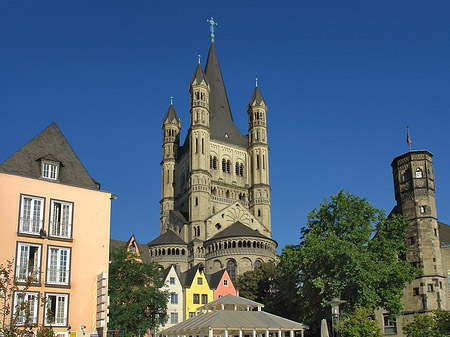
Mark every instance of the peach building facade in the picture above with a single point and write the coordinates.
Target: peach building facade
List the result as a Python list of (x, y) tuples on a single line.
[(55, 226)]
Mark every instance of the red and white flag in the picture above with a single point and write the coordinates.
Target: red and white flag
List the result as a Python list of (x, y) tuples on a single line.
[(408, 139)]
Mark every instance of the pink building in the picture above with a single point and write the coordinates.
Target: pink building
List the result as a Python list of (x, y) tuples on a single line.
[(221, 283)]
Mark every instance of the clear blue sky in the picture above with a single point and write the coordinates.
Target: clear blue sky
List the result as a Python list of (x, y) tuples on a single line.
[(342, 80)]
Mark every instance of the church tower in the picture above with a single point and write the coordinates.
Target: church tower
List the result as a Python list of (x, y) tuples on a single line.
[(171, 140), (415, 195), (259, 194)]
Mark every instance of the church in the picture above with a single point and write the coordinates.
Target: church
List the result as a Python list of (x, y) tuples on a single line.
[(215, 191)]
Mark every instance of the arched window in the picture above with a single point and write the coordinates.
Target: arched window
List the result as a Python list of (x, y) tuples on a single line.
[(258, 264), (406, 176), (215, 163), (231, 269), (257, 161), (210, 162), (228, 166), (224, 165), (241, 170), (259, 212), (237, 169)]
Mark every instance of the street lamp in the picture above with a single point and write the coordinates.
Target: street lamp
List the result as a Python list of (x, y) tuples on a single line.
[(335, 314)]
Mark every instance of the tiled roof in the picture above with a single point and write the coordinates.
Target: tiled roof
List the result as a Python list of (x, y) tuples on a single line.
[(256, 97), (188, 276), (199, 75), (50, 144), (168, 237), (214, 279), (171, 115)]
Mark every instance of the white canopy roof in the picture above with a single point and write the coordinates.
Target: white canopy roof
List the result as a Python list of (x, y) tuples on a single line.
[(236, 314)]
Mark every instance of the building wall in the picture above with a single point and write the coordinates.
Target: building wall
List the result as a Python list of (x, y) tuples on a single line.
[(89, 246), (176, 289), (196, 288), (225, 287)]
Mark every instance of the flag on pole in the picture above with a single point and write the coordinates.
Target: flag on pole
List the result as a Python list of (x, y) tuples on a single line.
[(408, 139)]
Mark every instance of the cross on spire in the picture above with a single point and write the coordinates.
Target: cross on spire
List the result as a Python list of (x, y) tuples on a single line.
[(212, 23)]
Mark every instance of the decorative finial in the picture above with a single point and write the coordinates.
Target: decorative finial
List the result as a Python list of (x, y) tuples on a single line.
[(171, 100), (199, 56), (256, 80), (212, 23)]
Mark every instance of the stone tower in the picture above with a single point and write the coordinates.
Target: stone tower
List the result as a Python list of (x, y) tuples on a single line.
[(415, 195), (171, 140), (215, 192)]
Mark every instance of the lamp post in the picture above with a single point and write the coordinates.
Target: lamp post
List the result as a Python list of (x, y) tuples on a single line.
[(335, 314)]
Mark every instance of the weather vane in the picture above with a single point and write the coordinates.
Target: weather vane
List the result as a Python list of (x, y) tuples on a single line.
[(212, 23), (171, 100)]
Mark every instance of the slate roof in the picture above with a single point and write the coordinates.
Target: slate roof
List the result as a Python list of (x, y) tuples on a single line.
[(143, 248), (444, 234), (181, 215), (199, 75), (169, 237), (220, 118), (256, 96), (214, 279), (188, 276), (171, 115), (238, 229), (50, 144)]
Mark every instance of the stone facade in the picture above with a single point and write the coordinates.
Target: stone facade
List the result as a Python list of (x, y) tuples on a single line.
[(427, 239), (215, 192)]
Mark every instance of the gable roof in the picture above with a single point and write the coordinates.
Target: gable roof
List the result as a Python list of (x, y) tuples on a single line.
[(189, 275), (169, 237), (50, 144), (238, 229), (220, 118), (214, 279)]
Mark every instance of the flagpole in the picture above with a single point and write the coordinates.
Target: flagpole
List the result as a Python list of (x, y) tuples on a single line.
[(408, 139)]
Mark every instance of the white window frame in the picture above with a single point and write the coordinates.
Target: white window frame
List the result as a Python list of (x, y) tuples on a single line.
[(61, 310), (389, 327), (173, 298), (172, 280), (225, 283), (28, 262), (61, 216), (31, 216), (58, 265), (174, 318), (32, 297), (50, 170)]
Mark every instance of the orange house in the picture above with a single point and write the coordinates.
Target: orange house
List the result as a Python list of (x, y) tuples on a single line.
[(221, 284), (55, 226)]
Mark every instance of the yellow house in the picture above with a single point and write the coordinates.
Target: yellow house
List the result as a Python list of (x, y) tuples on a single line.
[(55, 226), (196, 290)]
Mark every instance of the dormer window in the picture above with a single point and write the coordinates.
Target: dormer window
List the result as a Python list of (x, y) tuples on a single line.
[(50, 170)]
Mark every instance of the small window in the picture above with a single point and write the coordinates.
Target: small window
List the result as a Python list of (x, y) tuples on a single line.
[(258, 264), (172, 280), (50, 170), (412, 240), (389, 326), (225, 283), (406, 176), (199, 281), (196, 298), (418, 173), (435, 232), (204, 298), (174, 317), (56, 313), (416, 291), (196, 201), (423, 209), (173, 298), (224, 165), (430, 288), (191, 314)]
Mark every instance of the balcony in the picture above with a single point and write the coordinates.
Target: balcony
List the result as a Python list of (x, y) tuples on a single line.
[(60, 229), (57, 276), (27, 273), (30, 226)]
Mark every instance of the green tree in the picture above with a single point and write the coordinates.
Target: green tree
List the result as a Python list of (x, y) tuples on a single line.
[(429, 325), (351, 250), (18, 321), (360, 323), (259, 284), (137, 303)]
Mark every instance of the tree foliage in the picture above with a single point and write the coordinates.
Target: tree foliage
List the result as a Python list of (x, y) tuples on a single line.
[(425, 325), (360, 323), (18, 320), (351, 250), (137, 303)]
